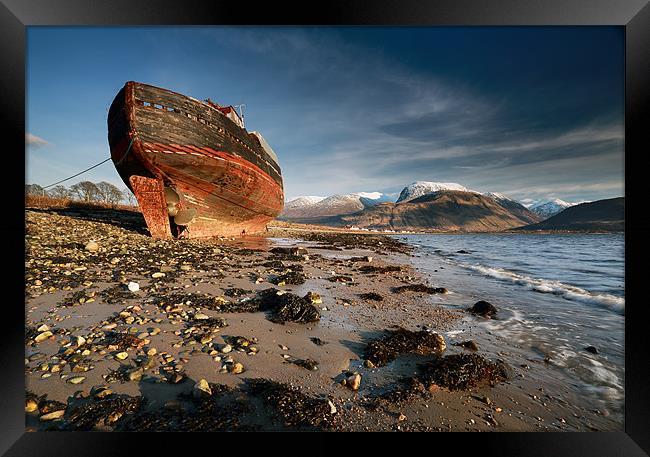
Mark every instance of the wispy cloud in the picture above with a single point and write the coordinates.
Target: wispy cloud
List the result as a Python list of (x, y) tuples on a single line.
[(35, 141)]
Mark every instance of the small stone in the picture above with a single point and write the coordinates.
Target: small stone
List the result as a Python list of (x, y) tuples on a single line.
[(101, 392), (354, 381), (237, 368), (592, 349), (134, 286), (226, 349), (43, 328), (283, 347), (206, 339), (81, 341), (369, 364), (136, 374), (152, 352), (332, 407), (77, 380), (401, 417), (185, 267), (53, 415), (121, 355), (43, 336), (115, 260), (314, 298), (109, 326), (158, 274), (201, 316), (155, 331), (201, 389), (31, 406), (498, 410), (92, 246)]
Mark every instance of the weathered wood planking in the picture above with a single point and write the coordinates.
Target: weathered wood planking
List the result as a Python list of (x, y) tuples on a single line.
[(218, 169)]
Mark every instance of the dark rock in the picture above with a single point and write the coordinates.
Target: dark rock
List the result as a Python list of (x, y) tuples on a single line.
[(483, 308), (318, 341), (469, 344), (592, 349), (462, 251)]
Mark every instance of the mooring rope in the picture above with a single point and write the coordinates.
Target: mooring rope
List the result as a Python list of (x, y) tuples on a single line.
[(95, 166)]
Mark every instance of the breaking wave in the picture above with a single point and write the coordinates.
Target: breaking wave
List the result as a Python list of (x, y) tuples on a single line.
[(544, 286)]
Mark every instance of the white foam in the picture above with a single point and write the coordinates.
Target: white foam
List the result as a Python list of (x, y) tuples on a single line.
[(566, 291)]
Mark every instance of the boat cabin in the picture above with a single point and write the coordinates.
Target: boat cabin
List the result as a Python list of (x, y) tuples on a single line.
[(229, 111)]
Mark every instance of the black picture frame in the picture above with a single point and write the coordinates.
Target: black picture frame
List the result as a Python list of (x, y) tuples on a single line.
[(633, 15)]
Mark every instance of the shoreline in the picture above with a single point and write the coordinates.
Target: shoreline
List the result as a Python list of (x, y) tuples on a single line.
[(197, 270)]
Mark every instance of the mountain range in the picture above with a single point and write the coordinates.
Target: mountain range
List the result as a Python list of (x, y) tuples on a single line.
[(422, 205), (602, 215)]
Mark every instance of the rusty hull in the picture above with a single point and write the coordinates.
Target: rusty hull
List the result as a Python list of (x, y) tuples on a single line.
[(217, 168)]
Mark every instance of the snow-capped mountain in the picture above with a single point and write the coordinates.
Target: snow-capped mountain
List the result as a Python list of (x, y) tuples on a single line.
[(305, 200), (420, 188), (515, 207), (332, 206), (550, 208)]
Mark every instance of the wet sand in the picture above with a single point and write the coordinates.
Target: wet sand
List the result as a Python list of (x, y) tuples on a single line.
[(77, 292)]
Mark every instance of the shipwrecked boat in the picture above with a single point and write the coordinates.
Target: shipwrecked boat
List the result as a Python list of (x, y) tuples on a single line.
[(193, 167)]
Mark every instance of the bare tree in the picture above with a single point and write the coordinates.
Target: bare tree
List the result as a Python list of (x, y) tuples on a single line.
[(86, 191), (109, 193), (59, 192), (128, 196), (34, 189)]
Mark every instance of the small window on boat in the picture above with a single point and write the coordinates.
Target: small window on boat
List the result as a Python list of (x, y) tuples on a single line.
[(146, 103), (170, 109), (157, 106)]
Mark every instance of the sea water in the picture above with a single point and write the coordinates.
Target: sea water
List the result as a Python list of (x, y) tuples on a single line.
[(556, 294)]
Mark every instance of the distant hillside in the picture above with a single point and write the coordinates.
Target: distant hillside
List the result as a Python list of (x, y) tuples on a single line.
[(550, 208), (420, 188), (515, 208), (312, 209), (601, 215), (446, 210)]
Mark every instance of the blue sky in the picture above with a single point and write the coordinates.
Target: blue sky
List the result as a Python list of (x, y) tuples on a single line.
[(531, 112)]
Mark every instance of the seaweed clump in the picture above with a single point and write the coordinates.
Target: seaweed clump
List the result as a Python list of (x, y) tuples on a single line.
[(371, 296), (292, 406), (463, 371), (289, 276), (400, 341), (287, 307), (106, 411), (377, 269), (236, 292), (402, 391), (420, 288)]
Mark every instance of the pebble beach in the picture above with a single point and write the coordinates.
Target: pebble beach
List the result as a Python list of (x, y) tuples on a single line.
[(300, 329)]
